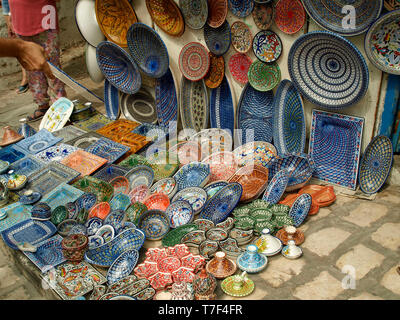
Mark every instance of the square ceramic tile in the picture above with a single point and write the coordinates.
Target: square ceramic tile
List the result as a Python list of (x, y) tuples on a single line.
[(39, 142), (108, 149), (84, 162), (55, 153)]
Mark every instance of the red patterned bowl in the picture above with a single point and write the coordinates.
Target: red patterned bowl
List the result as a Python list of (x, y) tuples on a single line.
[(74, 247), (120, 185), (139, 193), (157, 201), (223, 165), (100, 210)]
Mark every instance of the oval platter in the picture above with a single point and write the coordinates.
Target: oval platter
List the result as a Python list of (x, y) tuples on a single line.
[(167, 99)]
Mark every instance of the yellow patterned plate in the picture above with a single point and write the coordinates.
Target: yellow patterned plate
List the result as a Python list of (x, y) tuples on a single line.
[(57, 115), (167, 16)]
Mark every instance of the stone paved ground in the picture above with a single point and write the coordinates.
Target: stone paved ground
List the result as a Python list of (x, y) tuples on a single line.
[(351, 237)]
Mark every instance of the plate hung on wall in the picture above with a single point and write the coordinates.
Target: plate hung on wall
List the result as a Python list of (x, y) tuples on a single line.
[(139, 107), (91, 64), (86, 21)]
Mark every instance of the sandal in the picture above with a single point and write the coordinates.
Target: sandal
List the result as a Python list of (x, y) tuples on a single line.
[(38, 114), (23, 88)]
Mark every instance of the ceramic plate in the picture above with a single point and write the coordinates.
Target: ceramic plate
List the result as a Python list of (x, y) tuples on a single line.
[(214, 187), (85, 17), (85, 140), (335, 146), (195, 12), (290, 16), (289, 126), (57, 115), (218, 40), (12, 154), (276, 187), (328, 70), (91, 63), (83, 162), (241, 8), (194, 61), (61, 195), (264, 14), (267, 46), (375, 164), (120, 201), (55, 153), (216, 73), (38, 142), (117, 129), (264, 77), (167, 16), (300, 208), (107, 149), (223, 165), (140, 175), (197, 198), (111, 100), (239, 65), (217, 12), (179, 213), (167, 186), (27, 166), (103, 190), (68, 133), (110, 172), (122, 266), (167, 99), (241, 37), (139, 107), (13, 214), (194, 174), (94, 123)]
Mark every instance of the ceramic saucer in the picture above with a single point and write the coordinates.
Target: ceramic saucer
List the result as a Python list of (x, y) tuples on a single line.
[(227, 286)]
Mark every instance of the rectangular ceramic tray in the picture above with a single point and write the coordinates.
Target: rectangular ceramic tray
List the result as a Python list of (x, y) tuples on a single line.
[(63, 194), (118, 128), (83, 275), (335, 145), (12, 153), (84, 162), (49, 177), (86, 140), (108, 149), (48, 254), (69, 133), (39, 142), (134, 141), (94, 123), (27, 166), (16, 213), (110, 172)]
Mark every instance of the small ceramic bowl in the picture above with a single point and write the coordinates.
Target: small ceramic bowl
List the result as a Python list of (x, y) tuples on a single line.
[(30, 197), (100, 210), (157, 201), (41, 212), (92, 225), (154, 223), (179, 213), (65, 227), (74, 247), (78, 229), (59, 214), (107, 232), (120, 185), (17, 182), (139, 193), (95, 241)]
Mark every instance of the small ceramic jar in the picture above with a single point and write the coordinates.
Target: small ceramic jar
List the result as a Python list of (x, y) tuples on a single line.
[(204, 285), (291, 251), (220, 266), (74, 247), (267, 244), (251, 261)]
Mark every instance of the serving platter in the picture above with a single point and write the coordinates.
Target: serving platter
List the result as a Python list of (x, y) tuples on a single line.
[(61, 195), (40, 141), (83, 162), (107, 149), (57, 115)]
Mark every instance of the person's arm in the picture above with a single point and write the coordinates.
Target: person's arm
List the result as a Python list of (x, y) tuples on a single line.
[(29, 54)]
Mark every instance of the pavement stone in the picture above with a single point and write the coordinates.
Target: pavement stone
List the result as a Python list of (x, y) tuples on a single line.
[(366, 213), (281, 270), (388, 235), (324, 241), (366, 296), (391, 281)]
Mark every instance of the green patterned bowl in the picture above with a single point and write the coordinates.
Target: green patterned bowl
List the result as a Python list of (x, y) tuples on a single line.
[(103, 190), (58, 215), (135, 211)]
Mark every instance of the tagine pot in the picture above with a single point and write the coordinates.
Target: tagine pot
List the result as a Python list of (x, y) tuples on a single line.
[(220, 266), (267, 244), (204, 285), (10, 136), (74, 247), (251, 261)]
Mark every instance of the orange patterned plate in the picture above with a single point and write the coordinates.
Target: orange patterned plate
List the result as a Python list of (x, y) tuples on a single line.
[(217, 12), (133, 141), (254, 180), (323, 196), (216, 73), (114, 18), (117, 129), (83, 162), (167, 16)]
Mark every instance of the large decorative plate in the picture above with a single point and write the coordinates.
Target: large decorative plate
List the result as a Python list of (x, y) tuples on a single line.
[(167, 16), (241, 37), (154, 224), (241, 8), (103, 190), (48, 254), (222, 137), (218, 40), (49, 177), (55, 153), (114, 18), (83, 162), (254, 115), (107, 149), (92, 66), (122, 266), (276, 187), (335, 146), (382, 44), (111, 100), (290, 16), (289, 119), (239, 65), (148, 50), (222, 203), (86, 21), (110, 172), (57, 115), (14, 213), (27, 166), (85, 140), (139, 107), (216, 73), (264, 77), (264, 14), (267, 46), (332, 16), (195, 12), (391, 5), (29, 231), (68, 133), (222, 109), (328, 70), (12, 153), (194, 61), (152, 131), (167, 99), (118, 67), (196, 196), (194, 105), (38, 142), (217, 12), (195, 174), (118, 129), (375, 164), (94, 123)]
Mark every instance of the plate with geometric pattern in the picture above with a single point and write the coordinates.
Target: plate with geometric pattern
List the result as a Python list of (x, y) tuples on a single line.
[(39, 141), (55, 153), (83, 162), (61, 195), (108, 149)]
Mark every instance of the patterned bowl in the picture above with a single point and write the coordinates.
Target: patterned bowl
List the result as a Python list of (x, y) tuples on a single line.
[(197, 198), (223, 165), (139, 193), (218, 40), (179, 213), (154, 223), (41, 212), (157, 201), (241, 8), (217, 12), (148, 50), (59, 214), (300, 166), (195, 174), (118, 67), (120, 184), (100, 210), (194, 61), (74, 247), (135, 211), (300, 208), (66, 226)]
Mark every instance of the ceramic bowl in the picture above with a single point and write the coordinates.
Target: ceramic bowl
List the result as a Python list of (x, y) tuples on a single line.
[(92, 225), (227, 224), (213, 187), (107, 232), (139, 193), (91, 64), (115, 219), (204, 224), (154, 223), (120, 185), (122, 266), (120, 201), (157, 201), (41, 212), (17, 182), (74, 247), (208, 248), (95, 241), (100, 210), (223, 165), (197, 198), (166, 185), (194, 238), (231, 247), (65, 227), (135, 211), (30, 197), (78, 229), (251, 261), (140, 175), (179, 213), (86, 201), (59, 214), (300, 208), (195, 174), (217, 234)]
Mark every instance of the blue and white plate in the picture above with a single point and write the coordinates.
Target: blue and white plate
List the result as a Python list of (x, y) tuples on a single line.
[(255, 112), (107, 149), (375, 164), (107, 232), (95, 241), (120, 201), (111, 100), (166, 99), (222, 110), (57, 115), (154, 224), (140, 175), (276, 187), (48, 254), (196, 196), (195, 174), (122, 266), (328, 70), (222, 203), (38, 142), (110, 172), (12, 153), (30, 199), (92, 225), (241, 8), (179, 213), (300, 208), (55, 153), (214, 187), (85, 201), (335, 146), (29, 231), (61, 195), (115, 218), (13, 214), (289, 126)]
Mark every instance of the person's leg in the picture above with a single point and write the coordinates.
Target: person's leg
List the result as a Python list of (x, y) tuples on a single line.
[(52, 48)]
